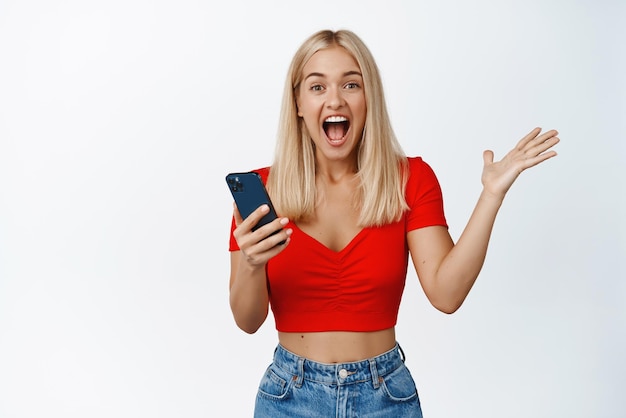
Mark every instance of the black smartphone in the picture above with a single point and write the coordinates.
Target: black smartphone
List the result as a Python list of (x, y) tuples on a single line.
[(249, 193)]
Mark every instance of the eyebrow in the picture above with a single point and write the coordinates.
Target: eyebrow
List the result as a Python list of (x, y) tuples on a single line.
[(346, 74)]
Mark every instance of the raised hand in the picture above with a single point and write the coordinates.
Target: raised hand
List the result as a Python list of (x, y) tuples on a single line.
[(531, 150)]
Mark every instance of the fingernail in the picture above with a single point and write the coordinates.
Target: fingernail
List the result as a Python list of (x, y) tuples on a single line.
[(284, 221)]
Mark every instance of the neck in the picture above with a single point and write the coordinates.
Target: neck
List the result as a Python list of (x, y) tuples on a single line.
[(335, 171)]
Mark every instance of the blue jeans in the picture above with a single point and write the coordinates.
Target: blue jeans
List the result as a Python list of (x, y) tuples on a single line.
[(294, 386)]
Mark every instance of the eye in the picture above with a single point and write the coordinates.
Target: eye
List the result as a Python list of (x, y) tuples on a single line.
[(352, 85), (316, 87)]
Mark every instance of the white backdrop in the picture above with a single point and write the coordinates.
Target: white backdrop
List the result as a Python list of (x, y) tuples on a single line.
[(119, 120)]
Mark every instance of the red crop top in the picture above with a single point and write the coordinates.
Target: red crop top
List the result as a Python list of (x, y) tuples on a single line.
[(359, 288)]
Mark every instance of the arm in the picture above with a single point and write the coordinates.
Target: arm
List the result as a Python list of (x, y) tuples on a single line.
[(447, 271), (249, 298)]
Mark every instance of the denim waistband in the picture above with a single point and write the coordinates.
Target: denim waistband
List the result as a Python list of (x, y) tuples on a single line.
[(373, 369)]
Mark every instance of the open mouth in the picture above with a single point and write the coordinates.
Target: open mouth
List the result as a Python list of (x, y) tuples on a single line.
[(336, 127)]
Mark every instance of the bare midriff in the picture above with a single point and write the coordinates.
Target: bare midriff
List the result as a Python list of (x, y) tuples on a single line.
[(338, 346)]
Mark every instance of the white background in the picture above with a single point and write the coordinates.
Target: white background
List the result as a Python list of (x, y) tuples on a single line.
[(119, 120)]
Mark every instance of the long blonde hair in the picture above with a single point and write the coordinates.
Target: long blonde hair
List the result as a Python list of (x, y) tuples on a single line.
[(381, 163)]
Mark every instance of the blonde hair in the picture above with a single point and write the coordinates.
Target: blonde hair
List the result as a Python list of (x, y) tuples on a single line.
[(381, 164)]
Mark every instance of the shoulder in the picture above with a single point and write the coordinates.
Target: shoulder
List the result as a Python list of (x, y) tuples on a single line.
[(417, 168), (263, 172), (421, 179)]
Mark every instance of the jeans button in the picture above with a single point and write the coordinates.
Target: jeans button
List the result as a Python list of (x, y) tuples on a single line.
[(343, 373)]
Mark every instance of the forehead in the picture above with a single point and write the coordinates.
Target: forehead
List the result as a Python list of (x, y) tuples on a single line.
[(328, 61)]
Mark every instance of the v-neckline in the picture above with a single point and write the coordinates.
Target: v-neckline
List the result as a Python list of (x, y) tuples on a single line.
[(349, 245)]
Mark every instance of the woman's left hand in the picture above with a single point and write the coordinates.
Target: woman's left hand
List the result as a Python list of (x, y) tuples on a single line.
[(498, 176)]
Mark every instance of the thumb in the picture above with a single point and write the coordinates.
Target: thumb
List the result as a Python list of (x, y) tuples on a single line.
[(488, 157)]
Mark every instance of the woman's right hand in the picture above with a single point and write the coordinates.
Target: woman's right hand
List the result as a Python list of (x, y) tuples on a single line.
[(257, 247), (249, 295)]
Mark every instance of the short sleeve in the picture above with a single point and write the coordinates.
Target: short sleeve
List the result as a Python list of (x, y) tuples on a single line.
[(424, 197), (232, 243)]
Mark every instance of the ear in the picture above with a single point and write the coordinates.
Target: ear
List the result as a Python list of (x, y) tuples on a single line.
[(298, 107)]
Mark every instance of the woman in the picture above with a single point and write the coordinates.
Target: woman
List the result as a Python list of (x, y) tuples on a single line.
[(353, 207)]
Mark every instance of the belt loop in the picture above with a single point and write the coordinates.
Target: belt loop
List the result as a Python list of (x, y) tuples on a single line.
[(374, 371), (402, 356), (300, 376)]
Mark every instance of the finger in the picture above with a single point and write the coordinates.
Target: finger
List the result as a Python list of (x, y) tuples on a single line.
[(244, 226), (267, 230), (487, 157), (529, 137), (531, 162), (546, 136), (273, 238), (255, 216), (547, 143), (542, 145), (262, 245), (541, 139), (268, 248)]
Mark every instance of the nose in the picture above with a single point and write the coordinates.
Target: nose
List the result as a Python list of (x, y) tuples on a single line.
[(335, 98)]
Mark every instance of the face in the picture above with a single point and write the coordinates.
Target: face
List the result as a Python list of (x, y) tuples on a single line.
[(331, 101)]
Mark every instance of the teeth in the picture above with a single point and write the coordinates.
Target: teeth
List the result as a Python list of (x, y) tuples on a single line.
[(334, 119)]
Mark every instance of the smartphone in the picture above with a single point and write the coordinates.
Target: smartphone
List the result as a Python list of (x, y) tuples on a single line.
[(249, 193)]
